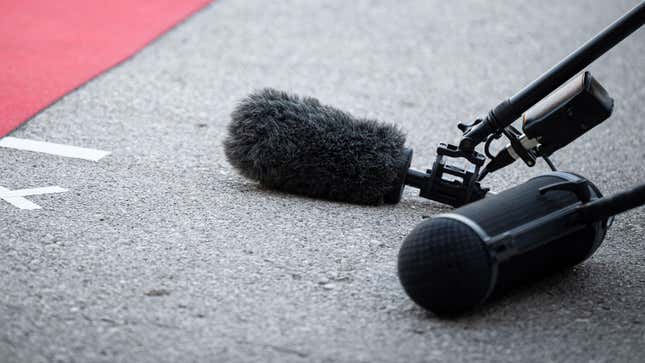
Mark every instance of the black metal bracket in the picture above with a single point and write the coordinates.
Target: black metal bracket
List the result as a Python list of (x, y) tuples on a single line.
[(447, 183)]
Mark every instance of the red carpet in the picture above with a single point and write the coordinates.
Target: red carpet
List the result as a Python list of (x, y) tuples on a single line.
[(50, 47)]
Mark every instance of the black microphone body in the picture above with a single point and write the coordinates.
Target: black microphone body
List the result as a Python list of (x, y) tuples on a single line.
[(455, 261), (301, 146)]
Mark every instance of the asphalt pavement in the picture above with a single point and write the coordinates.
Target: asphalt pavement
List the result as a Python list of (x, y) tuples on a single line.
[(161, 252)]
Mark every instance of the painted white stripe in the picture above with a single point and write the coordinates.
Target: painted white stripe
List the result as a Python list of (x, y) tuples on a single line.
[(54, 149), (16, 197), (22, 203), (18, 202), (32, 191)]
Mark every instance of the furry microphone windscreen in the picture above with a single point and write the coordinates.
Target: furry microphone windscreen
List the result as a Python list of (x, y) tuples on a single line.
[(301, 146)]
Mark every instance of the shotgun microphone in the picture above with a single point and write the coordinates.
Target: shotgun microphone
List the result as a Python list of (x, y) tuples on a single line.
[(301, 146), (455, 261)]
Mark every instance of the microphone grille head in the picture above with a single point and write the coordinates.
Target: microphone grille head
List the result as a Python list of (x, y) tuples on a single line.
[(444, 266), (301, 146)]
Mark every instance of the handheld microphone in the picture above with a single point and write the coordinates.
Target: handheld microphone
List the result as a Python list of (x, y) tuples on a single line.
[(301, 146), (455, 261)]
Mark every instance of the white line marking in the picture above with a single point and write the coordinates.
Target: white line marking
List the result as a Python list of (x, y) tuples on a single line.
[(54, 149), (22, 203), (16, 197), (32, 191)]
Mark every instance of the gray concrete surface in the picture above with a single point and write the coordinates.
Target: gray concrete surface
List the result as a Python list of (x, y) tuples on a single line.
[(162, 253)]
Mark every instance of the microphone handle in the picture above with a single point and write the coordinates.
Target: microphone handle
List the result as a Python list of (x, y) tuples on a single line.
[(608, 206)]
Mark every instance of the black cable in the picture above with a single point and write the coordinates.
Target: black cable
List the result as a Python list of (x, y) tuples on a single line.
[(489, 140), (502, 159), (482, 174), (548, 161)]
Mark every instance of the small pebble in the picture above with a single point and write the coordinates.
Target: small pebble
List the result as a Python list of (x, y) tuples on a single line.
[(157, 292), (329, 286)]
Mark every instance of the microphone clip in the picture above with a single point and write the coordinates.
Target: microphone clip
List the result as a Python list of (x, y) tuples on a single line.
[(578, 187), (449, 183)]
